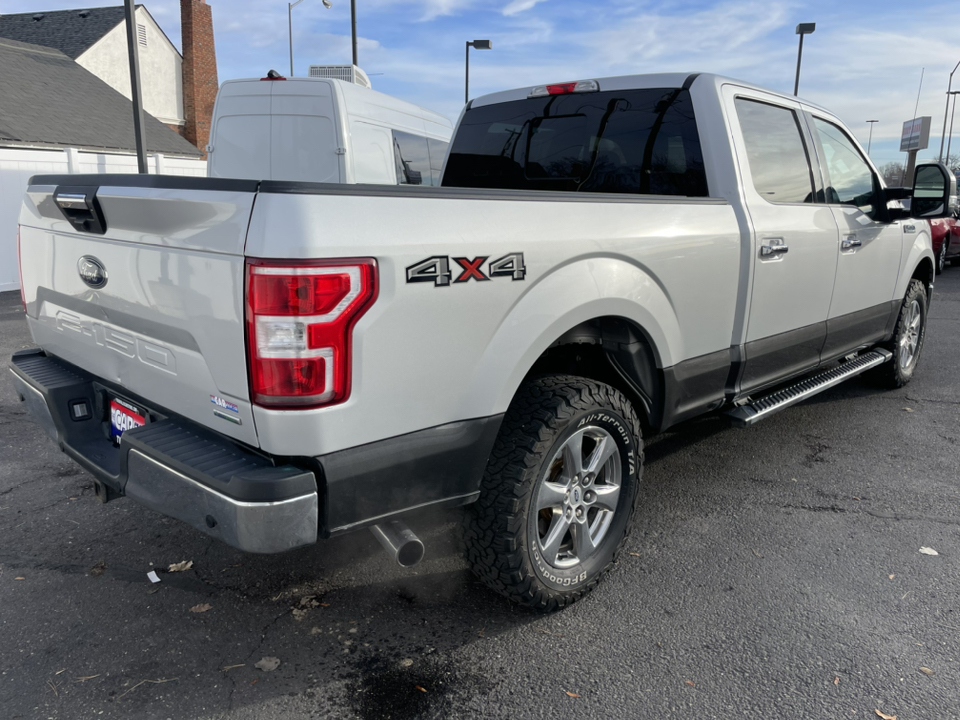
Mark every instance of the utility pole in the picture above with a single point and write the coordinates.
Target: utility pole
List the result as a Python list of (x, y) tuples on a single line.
[(130, 14)]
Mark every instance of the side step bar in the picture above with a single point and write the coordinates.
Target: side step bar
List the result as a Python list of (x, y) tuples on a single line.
[(753, 412)]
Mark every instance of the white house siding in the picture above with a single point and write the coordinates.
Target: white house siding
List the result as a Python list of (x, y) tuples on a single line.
[(17, 166), (161, 83)]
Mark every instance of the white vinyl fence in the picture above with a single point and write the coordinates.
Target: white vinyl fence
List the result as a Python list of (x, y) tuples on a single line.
[(18, 165)]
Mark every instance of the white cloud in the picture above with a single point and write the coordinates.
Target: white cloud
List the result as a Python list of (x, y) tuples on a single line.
[(519, 6)]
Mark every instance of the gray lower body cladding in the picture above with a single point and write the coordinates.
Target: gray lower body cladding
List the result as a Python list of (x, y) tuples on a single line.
[(249, 500)]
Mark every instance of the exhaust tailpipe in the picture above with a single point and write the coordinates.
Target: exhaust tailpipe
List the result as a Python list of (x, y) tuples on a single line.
[(399, 542)]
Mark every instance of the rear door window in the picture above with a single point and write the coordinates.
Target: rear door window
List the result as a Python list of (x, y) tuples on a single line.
[(623, 141), (776, 152)]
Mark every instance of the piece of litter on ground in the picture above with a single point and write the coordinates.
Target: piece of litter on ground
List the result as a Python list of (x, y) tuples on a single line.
[(421, 689), (268, 664), (570, 694), (885, 716), (181, 566), (234, 667), (926, 671), (154, 578), (836, 680), (908, 409), (19, 578), (201, 608), (406, 662), (928, 551), (892, 577)]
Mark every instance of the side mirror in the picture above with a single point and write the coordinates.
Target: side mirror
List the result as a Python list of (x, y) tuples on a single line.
[(934, 191)]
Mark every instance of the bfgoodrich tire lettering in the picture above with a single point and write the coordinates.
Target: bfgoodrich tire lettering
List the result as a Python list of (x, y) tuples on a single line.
[(558, 493)]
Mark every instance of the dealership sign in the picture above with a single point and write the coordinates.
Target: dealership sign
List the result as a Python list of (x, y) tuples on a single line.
[(916, 134)]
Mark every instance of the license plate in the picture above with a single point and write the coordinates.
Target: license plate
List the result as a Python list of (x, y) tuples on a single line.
[(124, 416)]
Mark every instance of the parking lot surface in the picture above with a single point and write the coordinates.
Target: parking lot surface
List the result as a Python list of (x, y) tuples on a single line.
[(771, 572)]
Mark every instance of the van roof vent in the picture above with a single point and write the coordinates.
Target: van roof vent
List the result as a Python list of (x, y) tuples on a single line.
[(347, 73)]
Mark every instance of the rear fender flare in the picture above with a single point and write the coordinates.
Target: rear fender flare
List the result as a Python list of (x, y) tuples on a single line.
[(569, 296)]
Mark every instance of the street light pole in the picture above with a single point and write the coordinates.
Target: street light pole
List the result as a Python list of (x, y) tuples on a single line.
[(290, 7), (802, 29), (952, 112), (478, 45), (327, 4), (353, 26), (870, 139), (945, 108)]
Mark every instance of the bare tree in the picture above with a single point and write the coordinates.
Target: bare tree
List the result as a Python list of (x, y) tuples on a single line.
[(893, 173)]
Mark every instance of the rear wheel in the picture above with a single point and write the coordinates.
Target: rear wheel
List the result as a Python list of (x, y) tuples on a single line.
[(908, 337), (558, 492)]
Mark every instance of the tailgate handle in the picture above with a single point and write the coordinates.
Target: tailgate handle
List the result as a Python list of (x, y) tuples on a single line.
[(80, 207)]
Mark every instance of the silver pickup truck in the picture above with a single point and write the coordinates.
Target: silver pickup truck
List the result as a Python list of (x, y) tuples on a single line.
[(279, 362)]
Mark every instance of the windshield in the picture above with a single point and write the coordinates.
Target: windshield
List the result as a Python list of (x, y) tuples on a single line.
[(623, 141)]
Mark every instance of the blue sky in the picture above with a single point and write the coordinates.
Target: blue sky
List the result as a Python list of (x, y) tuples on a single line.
[(864, 61)]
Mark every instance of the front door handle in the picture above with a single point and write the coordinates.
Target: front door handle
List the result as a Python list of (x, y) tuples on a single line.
[(850, 242), (775, 248)]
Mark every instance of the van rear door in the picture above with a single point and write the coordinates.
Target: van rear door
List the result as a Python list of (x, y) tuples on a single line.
[(285, 129)]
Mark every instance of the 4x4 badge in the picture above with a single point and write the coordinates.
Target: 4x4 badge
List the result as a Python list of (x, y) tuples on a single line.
[(436, 269)]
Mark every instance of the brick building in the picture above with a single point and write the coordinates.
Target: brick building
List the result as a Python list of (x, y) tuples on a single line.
[(179, 90)]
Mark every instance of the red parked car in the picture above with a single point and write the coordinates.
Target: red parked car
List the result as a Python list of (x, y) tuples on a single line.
[(946, 241)]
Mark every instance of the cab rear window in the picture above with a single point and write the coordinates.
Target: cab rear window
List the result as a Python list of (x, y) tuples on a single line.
[(625, 141)]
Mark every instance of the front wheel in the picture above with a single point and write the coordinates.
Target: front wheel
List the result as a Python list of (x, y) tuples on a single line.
[(942, 255), (558, 493), (908, 337)]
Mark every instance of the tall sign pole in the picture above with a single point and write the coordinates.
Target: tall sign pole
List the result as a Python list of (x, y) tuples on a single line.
[(129, 12)]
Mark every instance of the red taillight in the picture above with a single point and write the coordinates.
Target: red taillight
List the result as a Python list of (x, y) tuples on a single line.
[(300, 320), (561, 88), (23, 290)]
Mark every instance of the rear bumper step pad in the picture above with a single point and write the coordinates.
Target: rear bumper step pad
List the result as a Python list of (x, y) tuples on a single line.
[(173, 466)]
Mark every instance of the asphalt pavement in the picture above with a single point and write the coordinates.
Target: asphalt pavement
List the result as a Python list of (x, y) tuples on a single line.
[(773, 572)]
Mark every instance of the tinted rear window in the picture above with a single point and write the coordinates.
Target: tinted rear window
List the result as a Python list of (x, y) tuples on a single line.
[(624, 141)]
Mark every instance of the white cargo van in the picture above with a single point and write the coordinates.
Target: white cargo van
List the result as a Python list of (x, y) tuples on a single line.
[(323, 130)]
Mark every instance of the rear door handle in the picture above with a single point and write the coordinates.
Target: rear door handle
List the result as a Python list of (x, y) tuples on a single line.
[(850, 242), (776, 247)]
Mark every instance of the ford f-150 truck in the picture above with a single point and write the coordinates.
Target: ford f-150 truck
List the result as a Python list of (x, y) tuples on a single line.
[(279, 362)]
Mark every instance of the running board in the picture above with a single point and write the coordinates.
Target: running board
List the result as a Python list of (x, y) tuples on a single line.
[(746, 415)]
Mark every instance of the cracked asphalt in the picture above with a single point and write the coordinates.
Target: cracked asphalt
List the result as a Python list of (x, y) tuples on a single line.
[(771, 572)]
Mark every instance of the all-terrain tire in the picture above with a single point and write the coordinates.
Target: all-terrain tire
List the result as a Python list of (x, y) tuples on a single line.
[(569, 447), (908, 335)]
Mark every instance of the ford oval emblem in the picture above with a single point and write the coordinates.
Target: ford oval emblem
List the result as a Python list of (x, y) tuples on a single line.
[(92, 271)]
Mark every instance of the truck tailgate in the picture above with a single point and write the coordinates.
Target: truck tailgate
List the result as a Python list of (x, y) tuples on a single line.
[(167, 325)]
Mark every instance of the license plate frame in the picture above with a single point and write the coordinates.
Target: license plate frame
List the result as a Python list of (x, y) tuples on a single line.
[(124, 415)]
